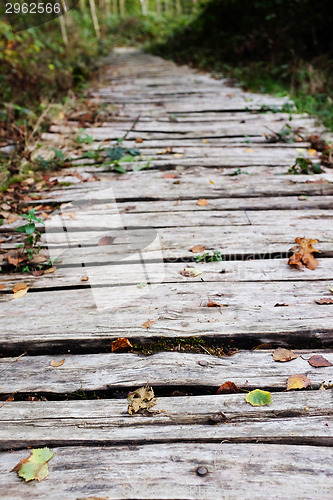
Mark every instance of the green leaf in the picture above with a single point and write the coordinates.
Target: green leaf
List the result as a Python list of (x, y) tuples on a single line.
[(29, 228), (133, 152), (35, 466), (114, 154), (119, 168), (258, 398)]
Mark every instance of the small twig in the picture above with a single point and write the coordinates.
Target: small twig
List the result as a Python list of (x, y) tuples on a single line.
[(40, 119), (132, 128), (14, 361), (204, 348)]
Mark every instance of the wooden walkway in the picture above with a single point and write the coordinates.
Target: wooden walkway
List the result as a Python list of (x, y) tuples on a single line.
[(205, 140)]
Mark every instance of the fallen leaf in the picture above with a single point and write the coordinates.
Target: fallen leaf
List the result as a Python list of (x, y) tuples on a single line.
[(202, 202), (50, 270), (106, 240), (39, 259), (190, 272), (197, 249), (35, 466), (56, 364), (171, 175), (228, 388), (312, 152), (13, 260), (85, 278), (37, 273), (318, 361), (19, 286), (283, 355), (324, 301), (141, 400), (258, 398), (297, 382), (20, 293), (121, 345), (282, 304), (211, 303), (303, 255), (148, 323), (139, 140), (2, 286)]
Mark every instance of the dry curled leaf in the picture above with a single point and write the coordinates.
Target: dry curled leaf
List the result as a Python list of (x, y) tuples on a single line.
[(121, 345), (141, 400), (190, 272), (37, 273), (303, 255), (85, 278), (197, 249), (21, 293), (202, 202), (148, 323), (19, 286), (2, 286), (318, 361), (228, 388), (56, 364), (297, 381), (324, 301), (39, 259), (281, 354)]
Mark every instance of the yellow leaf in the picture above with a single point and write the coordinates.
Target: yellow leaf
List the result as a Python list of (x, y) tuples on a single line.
[(312, 152), (298, 381), (56, 364), (20, 293), (202, 202)]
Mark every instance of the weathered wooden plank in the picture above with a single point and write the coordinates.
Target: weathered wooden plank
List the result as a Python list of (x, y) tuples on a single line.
[(221, 272), (151, 185), (293, 418), (169, 471), (101, 313), (92, 372)]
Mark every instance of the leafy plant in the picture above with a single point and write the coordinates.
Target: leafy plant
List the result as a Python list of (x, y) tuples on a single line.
[(239, 171), (84, 138), (207, 257), (305, 166), (31, 242)]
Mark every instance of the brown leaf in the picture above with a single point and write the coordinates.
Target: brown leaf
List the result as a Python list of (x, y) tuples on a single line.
[(105, 241), (303, 255), (2, 286), (148, 323), (13, 260), (85, 278), (139, 140), (20, 293), (324, 301), (283, 355), (50, 270), (39, 259), (318, 361), (211, 303), (228, 388), (37, 273), (197, 249), (202, 202), (298, 381), (190, 272), (56, 364), (171, 175), (121, 345), (19, 286)]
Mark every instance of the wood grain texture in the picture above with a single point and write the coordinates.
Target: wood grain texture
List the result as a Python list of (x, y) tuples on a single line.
[(293, 418), (167, 471), (108, 371)]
